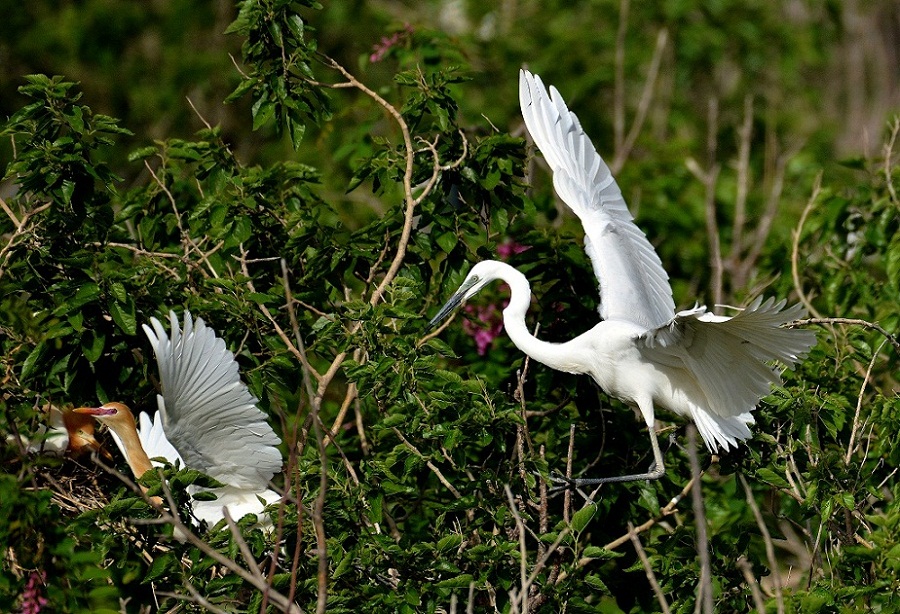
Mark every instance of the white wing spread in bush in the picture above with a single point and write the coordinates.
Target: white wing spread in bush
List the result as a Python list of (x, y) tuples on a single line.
[(207, 420), (208, 414), (712, 369)]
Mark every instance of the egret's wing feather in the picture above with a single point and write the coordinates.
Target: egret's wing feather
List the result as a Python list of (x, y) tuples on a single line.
[(730, 358), (208, 414), (154, 441), (634, 287)]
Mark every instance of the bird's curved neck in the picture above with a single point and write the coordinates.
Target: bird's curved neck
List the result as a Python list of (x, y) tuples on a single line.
[(553, 355), (132, 449)]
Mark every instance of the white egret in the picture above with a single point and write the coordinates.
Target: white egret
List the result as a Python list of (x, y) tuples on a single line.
[(206, 420), (708, 368)]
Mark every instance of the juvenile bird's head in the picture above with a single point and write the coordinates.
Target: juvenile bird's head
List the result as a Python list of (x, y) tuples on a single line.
[(116, 416)]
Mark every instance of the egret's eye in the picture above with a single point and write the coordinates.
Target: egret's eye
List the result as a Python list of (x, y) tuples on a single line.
[(475, 279)]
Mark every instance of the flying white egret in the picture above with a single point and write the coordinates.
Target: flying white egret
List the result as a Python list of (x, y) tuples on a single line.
[(206, 420), (709, 368)]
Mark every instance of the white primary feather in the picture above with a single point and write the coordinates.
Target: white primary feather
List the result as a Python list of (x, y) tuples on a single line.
[(208, 414), (208, 420), (634, 287)]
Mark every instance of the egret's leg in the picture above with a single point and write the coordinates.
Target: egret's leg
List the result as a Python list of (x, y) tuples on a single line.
[(655, 472)]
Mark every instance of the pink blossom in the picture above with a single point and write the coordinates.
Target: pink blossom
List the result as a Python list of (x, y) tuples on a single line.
[(485, 325), (32, 599), (511, 248), (388, 42)]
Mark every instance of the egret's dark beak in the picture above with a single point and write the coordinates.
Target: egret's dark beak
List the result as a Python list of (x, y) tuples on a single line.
[(448, 308)]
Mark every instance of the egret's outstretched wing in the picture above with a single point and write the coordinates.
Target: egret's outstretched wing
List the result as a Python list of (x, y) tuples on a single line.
[(634, 287), (730, 358), (208, 414)]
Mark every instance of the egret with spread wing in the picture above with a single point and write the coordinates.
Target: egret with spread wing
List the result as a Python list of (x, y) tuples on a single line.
[(709, 368), (206, 420)]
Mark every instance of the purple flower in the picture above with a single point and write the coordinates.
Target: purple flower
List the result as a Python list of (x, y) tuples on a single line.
[(486, 324), (32, 599), (388, 42), (511, 248)]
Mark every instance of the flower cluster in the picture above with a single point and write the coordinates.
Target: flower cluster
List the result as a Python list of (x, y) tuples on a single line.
[(388, 42), (484, 324), (511, 248), (32, 599)]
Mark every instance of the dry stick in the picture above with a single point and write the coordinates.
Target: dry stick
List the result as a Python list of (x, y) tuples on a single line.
[(12, 216), (768, 216), (295, 326), (651, 577), (640, 117), (428, 463), (747, 569), (888, 154), (318, 518), (186, 239), (411, 203), (859, 400), (743, 183), (852, 321), (712, 226), (704, 598), (567, 495), (770, 547), (795, 248), (523, 554), (20, 230)]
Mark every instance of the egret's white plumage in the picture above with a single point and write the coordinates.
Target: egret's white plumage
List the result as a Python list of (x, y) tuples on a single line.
[(207, 420), (709, 368)]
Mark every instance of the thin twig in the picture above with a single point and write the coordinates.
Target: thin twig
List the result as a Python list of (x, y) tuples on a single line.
[(770, 547), (523, 554), (853, 322), (428, 463), (619, 84), (640, 116), (859, 400), (795, 248), (648, 570), (743, 182), (704, 598), (747, 569)]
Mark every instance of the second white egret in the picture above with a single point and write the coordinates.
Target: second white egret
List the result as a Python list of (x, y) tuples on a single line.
[(708, 368)]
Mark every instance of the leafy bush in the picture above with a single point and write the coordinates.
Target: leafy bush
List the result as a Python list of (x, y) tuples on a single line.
[(416, 461)]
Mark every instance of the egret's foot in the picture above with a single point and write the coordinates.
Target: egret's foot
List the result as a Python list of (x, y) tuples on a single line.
[(561, 483)]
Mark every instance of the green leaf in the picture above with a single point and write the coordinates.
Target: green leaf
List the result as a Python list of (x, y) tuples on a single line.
[(765, 474), (32, 360), (582, 517), (124, 316), (447, 241), (460, 581)]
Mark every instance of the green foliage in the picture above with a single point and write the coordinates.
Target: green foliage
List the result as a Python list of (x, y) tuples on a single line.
[(319, 262)]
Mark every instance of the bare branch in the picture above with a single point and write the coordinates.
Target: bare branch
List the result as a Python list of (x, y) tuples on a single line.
[(770, 547), (704, 597), (651, 577), (795, 249)]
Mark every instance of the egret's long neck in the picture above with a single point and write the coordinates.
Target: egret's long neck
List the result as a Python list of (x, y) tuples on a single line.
[(553, 355), (132, 449)]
